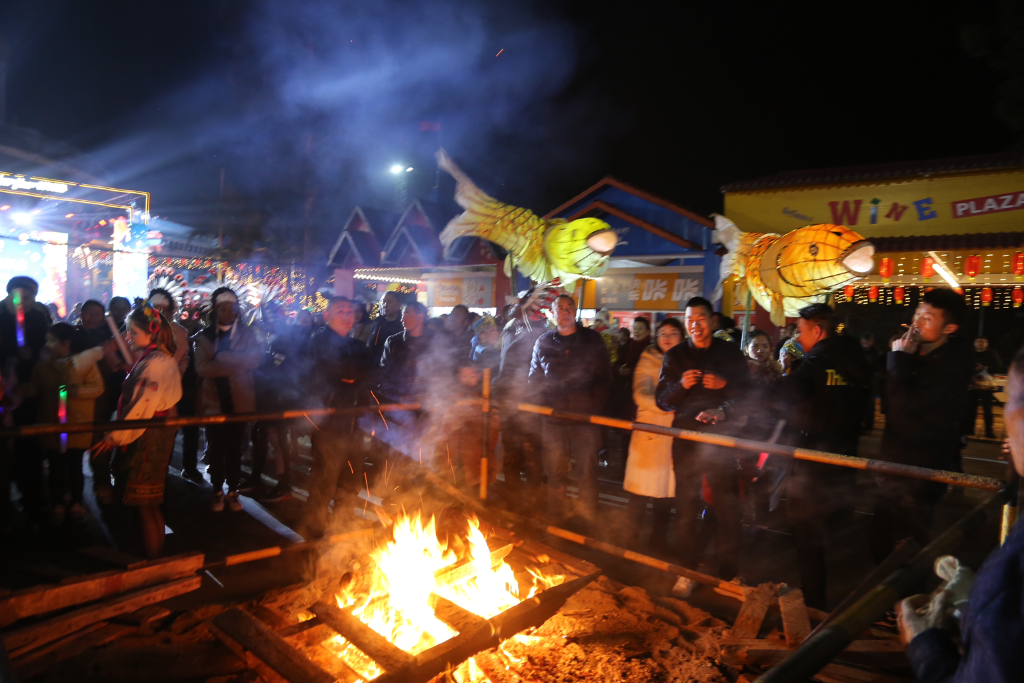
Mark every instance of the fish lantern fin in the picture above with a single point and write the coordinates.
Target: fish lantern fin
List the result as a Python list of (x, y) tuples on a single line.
[(508, 266), (778, 312)]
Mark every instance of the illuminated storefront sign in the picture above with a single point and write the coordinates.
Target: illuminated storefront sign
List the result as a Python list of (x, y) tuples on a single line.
[(134, 203), (975, 203), (649, 291), (20, 183)]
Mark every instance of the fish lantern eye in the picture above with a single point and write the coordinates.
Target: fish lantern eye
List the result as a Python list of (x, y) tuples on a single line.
[(813, 249), (603, 241)]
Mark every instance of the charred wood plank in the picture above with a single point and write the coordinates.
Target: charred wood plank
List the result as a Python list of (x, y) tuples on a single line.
[(86, 588), (529, 613), (464, 570), (257, 638), (300, 627), (110, 556), (372, 644), (32, 636), (39, 660), (752, 613), (795, 621), (775, 645), (454, 616), (158, 663)]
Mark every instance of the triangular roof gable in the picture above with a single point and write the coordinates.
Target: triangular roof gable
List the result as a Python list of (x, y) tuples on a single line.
[(670, 227), (365, 231), (416, 230)]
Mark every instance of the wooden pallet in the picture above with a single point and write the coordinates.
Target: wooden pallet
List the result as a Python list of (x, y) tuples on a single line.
[(275, 659)]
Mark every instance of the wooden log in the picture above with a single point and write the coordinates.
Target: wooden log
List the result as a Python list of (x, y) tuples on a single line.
[(257, 638), (32, 636), (82, 589), (829, 673), (529, 613), (375, 646), (454, 616), (752, 613), (298, 628), (795, 621)]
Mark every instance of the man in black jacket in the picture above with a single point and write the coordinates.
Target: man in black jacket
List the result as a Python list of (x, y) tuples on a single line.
[(570, 371), (387, 323), (338, 366), (700, 380), (928, 373), (822, 398)]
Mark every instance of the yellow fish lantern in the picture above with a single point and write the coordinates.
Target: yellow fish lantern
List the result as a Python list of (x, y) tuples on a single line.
[(784, 273), (542, 249)]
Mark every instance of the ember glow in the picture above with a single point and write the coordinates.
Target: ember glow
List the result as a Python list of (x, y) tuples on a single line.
[(395, 597)]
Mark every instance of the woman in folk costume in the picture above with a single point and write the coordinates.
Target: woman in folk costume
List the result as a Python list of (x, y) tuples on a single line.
[(152, 389), (650, 477)]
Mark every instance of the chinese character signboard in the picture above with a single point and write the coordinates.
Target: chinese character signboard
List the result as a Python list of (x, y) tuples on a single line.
[(662, 291)]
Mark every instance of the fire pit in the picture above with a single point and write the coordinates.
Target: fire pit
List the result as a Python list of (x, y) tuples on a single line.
[(423, 601)]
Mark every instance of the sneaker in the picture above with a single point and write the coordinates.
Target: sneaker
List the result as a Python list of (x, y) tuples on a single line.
[(683, 588), (77, 513), (218, 502), (194, 476), (234, 504), (277, 494), (57, 515)]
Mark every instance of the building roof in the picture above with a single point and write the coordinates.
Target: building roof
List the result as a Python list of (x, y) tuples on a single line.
[(365, 233), (609, 181), (878, 172)]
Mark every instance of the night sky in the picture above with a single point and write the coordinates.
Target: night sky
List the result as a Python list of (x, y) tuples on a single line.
[(322, 96)]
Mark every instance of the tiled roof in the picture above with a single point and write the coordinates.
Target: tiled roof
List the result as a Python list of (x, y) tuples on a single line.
[(876, 172), (981, 240)]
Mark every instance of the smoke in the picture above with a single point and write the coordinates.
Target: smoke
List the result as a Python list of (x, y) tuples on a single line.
[(319, 99)]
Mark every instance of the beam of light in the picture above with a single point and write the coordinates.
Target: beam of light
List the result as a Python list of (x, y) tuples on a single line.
[(21, 218), (942, 270), (396, 169)]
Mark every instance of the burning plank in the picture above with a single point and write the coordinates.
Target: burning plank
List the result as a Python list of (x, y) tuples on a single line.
[(255, 637), (377, 647)]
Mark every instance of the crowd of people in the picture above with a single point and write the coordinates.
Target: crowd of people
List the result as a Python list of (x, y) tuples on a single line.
[(816, 389)]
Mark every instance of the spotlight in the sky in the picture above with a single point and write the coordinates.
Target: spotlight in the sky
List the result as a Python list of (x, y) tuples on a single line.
[(408, 169), (21, 218), (5, 207), (69, 215), (396, 169)]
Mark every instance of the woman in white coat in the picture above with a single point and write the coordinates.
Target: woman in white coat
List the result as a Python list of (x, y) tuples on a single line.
[(650, 477)]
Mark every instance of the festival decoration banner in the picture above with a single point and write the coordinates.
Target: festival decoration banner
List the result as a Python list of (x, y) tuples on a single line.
[(474, 292), (989, 202)]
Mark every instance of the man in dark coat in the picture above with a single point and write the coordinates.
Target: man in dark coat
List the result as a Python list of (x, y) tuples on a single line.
[(928, 373), (571, 372), (387, 323), (992, 623), (700, 379), (822, 398), (338, 366)]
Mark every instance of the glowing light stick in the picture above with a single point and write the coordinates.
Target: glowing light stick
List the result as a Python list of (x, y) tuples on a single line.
[(119, 340), (62, 416), (19, 313)]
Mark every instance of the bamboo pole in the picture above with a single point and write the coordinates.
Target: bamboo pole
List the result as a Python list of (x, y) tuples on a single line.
[(824, 645), (880, 466), (200, 420), (485, 432), (274, 551)]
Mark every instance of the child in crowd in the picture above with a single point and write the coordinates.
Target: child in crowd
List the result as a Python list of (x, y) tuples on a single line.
[(69, 368)]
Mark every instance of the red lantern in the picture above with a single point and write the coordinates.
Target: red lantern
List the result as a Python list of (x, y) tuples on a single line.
[(885, 269), (986, 296), (1017, 265), (898, 294), (872, 294), (927, 267), (972, 264), (1018, 297), (848, 291)]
